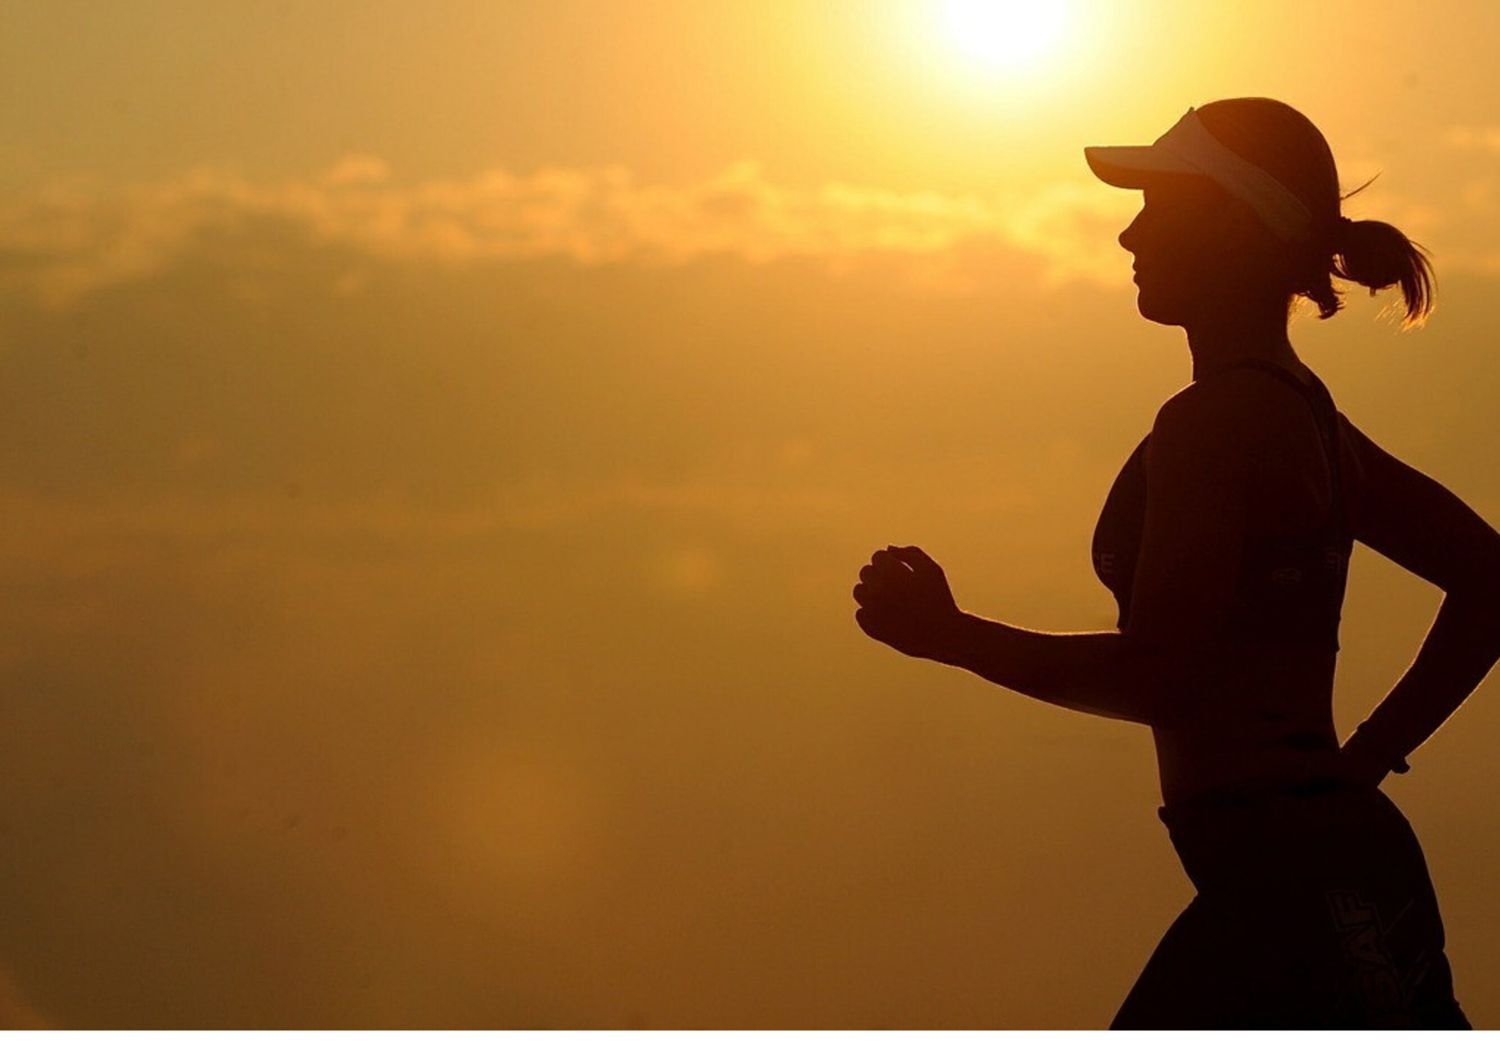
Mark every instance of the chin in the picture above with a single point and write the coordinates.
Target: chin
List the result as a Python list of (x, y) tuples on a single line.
[(1154, 309)]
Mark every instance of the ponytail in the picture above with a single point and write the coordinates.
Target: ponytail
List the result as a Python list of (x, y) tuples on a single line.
[(1376, 255), (1372, 254), (1280, 140)]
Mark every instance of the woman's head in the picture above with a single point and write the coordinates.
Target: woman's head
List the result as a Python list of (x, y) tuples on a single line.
[(1200, 247)]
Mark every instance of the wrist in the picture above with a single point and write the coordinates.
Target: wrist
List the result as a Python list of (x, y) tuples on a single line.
[(1366, 744), (956, 638)]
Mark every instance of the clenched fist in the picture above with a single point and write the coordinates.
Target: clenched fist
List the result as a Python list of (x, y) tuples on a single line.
[(905, 602)]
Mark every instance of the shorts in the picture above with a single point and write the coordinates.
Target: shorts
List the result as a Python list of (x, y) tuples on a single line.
[(1314, 910)]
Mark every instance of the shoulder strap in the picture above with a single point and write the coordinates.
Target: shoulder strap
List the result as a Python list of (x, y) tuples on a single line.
[(1326, 416)]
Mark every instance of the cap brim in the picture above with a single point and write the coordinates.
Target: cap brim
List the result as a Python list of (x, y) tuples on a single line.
[(1131, 167)]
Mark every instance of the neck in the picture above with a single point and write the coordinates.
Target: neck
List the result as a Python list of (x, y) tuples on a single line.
[(1227, 339)]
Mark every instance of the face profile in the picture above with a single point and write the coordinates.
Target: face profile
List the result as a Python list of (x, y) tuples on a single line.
[(1195, 248)]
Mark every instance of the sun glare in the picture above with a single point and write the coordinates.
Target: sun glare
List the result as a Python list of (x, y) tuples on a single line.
[(1006, 33)]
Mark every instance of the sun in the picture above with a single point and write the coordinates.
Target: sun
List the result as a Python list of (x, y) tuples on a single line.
[(1006, 33)]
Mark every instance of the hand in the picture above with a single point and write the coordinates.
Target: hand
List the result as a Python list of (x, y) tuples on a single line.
[(905, 602), (1351, 764), (1359, 768)]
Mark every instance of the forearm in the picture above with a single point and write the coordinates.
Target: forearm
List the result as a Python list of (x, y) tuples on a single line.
[(1102, 673), (1458, 651)]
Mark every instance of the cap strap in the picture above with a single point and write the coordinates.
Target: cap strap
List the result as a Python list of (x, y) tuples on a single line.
[(1282, 211)]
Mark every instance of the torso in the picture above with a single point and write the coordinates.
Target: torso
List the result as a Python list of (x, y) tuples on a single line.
[(1240, 749), (1269, 723)]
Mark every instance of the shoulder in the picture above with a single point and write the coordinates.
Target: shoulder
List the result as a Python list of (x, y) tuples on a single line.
[(1230, 413)]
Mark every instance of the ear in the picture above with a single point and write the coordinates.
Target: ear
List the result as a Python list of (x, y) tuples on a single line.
[(1251, 232), (1251, 255)]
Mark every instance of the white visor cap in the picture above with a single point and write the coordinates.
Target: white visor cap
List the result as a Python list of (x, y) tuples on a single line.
[(1188, 147)]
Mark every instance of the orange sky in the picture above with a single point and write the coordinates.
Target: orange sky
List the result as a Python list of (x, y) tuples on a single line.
[(440, 444)]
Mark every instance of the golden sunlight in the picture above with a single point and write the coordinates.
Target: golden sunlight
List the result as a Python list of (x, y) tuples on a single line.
[(1006, 33)]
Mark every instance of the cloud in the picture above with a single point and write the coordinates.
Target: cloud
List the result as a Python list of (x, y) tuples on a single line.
[(63, 239), (357, 169), (1484, 138), (67, 238)]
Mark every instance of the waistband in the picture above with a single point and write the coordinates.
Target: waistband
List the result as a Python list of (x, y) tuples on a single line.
[(1289, 837), (1264, 801)]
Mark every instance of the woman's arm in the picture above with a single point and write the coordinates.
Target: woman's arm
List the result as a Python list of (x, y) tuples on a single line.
[(1162, 666), (1419, 524), (1157, 670), (1458, 651), (1105, 673)]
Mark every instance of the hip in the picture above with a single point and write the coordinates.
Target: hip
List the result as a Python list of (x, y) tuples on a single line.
[(1323, 897), (1314, 837)]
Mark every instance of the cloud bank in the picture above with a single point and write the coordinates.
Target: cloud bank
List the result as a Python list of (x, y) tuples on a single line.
[(65, 239)]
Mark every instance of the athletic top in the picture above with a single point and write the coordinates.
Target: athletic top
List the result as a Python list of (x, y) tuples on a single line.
[(1291, 587)]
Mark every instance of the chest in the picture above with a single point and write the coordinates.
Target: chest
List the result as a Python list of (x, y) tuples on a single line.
[(1294, 563)]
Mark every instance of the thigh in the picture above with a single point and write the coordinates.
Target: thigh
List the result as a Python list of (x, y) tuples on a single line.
[(1391, 970), (1202, 975), (1372, 939), (1271, 960)]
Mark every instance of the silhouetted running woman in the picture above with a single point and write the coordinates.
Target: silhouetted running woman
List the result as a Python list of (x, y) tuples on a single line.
[(1225, 540)]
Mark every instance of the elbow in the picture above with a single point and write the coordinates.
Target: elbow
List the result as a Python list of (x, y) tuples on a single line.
[(1175, 700), (1481, 589), (1170, 683), (1479, 593), (1475, 611)]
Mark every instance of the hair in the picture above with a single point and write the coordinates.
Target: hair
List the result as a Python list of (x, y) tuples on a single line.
[(1282, 141)]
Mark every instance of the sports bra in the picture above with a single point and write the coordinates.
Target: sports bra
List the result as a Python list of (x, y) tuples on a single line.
[(1291, 587)]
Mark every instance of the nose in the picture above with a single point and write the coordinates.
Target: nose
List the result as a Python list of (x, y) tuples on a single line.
[(1128, 236)]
